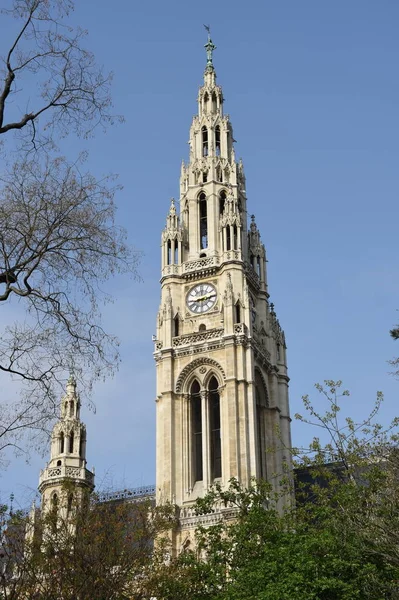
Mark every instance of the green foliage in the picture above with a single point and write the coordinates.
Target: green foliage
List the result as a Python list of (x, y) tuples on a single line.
[(339, 542)]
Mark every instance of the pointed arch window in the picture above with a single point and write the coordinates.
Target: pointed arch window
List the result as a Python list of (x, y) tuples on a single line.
[(71, 441), (217, 140), (169, 252), (62, 442), (203, 216), (238, 313), (228, 238), (70, 502), (204, 132), (214, 427), (176, 323), (206, 102), (196, 424), (214, 102), (235, 237), (222, 201)]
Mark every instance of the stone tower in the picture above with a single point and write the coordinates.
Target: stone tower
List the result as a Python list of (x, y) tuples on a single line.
[(222, 384), (66, 481)]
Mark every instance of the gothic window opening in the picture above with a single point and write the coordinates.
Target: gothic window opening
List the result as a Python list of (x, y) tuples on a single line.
[(176, 325), (203, 221), (215, 439), (59, 463), (169, 251), (238, 313), (70, 502), (176, 256), (219, 175), (222, 201), (228, 238), (204, 176), (202, 327), (196, 424), (217, 140), (54, 511), (235, 237), (214, 102), (81, 446), (71, 440), (226, 176), (206, 101), (71, 409), (204, 141), (252, 261), (62, 442)]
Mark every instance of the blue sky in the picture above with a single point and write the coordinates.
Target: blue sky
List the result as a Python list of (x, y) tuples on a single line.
[(312, 91)]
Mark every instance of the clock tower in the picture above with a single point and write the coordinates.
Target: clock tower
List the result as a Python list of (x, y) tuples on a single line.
[(222, 384)]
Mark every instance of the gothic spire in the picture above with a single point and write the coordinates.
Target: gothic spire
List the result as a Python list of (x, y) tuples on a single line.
[(209, 47)]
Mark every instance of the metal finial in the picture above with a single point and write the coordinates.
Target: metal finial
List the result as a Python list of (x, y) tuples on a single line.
[(209, 47)]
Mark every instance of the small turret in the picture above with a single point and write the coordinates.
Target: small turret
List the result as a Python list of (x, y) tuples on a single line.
[(67, 463)]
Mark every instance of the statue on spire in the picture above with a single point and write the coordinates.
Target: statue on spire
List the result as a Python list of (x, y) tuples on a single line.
[(209, 47)]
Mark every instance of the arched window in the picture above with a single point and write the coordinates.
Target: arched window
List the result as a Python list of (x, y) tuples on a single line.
[(204, 176), (204, 132), (214, 426), (261, 404), (176, 325), (62, 442), (214, 102), (59, 463), (222, 201), (169, 257), (219, 174), (196, 424), (71, 440), (81, 441), (238, 313), (235, 237), (217, 140), (203, 221), (202, 327), (54, 512), (176, 257), (228, 237), (258, 265), (206, 102)]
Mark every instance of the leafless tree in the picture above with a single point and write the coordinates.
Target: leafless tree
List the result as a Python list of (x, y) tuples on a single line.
[(59, 243), (72, 92)]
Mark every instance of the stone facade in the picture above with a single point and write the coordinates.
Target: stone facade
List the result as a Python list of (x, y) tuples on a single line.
[(222, 384)]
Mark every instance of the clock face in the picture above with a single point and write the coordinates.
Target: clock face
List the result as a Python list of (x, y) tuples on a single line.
[(201, 298)]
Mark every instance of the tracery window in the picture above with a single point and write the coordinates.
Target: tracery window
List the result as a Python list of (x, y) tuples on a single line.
[(214, 426), (204, 132), (217, 140), (205, 412), (196, 414), (203, 218)]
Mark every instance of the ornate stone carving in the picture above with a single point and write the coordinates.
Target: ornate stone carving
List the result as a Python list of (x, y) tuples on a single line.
[(198, 362)]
